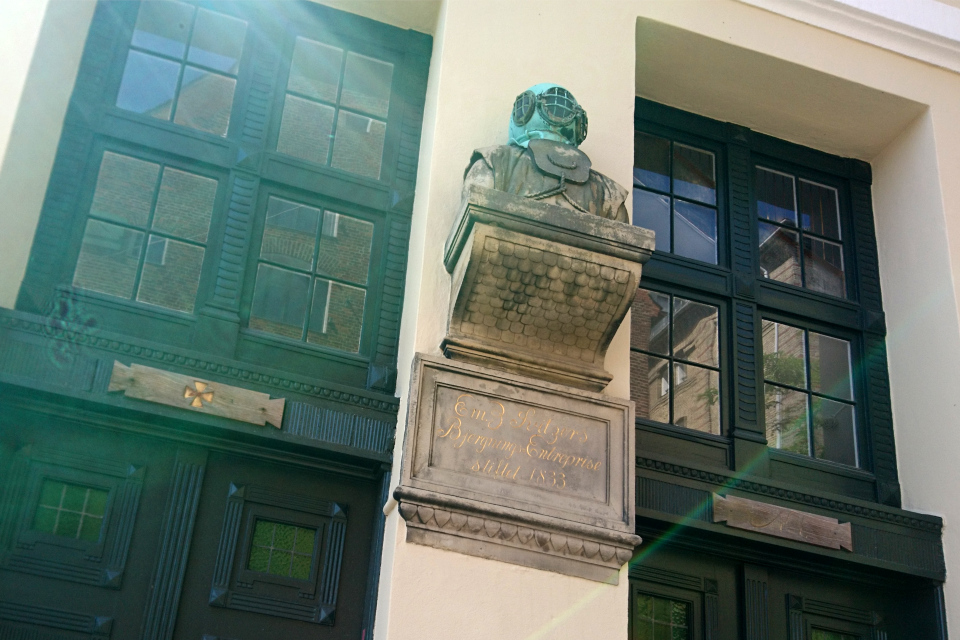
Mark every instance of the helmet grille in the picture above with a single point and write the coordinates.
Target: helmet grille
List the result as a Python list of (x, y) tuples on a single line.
[(523, 108), (559, 105)]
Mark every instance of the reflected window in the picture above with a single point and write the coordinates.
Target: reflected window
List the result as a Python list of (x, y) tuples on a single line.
[(146, 234), (675, 361), (182, 65), (809, 405), (675, 195), (312, 275), (656, 618), (799, 232), (335, 108), (281, 549)]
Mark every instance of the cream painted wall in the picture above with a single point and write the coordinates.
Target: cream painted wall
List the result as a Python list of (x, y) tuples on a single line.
[(729, 61), (40, 45)]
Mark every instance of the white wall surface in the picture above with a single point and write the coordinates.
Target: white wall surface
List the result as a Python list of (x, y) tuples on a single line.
[(40, 46)]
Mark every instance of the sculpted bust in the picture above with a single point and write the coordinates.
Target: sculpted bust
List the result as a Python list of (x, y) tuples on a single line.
[(542, 161)]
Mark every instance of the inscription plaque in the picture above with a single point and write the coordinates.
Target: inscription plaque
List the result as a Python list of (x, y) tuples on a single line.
[(541, 469), (773, 520)]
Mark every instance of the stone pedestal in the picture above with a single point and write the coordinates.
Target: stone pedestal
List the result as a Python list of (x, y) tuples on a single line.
[(510, 453)]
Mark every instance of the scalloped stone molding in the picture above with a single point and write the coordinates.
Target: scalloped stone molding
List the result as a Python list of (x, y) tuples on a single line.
[(596, 558)]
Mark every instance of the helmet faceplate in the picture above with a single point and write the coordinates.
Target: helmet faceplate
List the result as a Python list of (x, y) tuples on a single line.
[(549, 112)]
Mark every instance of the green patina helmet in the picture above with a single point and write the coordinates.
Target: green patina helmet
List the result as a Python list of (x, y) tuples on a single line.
[(547, 111)]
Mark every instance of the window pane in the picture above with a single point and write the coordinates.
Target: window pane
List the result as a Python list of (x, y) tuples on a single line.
[(290, 233), (652, 211), (171, 274), (819, 209), (315, 70), (358, 147), (649, 328), (305, 129), (830, 366), (279, 302), (125, 188), (205, 102), (149, 84), (833, 432), (163, 27), (695, 334), (217, 41), (651, 162), (696, 398), (345, 247), (784, 354), (366, 85), (823, 267), (779, 254), (785, 413), (282, 549), (650, 386), (694, 174), (336, 318), (776, 199), (70, 510), (108, 260), (185, 205), (695, 231)]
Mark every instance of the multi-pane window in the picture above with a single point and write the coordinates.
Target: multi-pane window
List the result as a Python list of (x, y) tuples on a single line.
[(70, 510), (657, 618), (799, 232), (284, 550), (335, 108), (312, 275), (809, 402), (182, 65), (675, 195), (675, 361), (146, 233)]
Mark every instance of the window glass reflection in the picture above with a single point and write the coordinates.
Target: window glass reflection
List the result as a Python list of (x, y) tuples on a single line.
[(650, 325), (366, 85), (315, 70), (652, 211), (823, 266), (305, 129), (108, 261), (217, 41), (185, 205), (834, 437), (694, 174), (358, 145), (695, 231), (651, 162), (163, 26), (786, 418), (695, 335), (290, 234), (125, 188), (345, 245), (205, 101), (776, 199), (819, 209), (830, 372), (149, 85), (336, 319), (784, 354), (696, 402), (171, 274), (279, 302), (780, 254)]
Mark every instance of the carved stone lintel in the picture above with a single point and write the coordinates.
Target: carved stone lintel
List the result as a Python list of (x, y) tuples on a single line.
[(594, 554)]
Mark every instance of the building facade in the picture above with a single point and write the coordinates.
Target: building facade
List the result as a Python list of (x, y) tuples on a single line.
[(222, 248)]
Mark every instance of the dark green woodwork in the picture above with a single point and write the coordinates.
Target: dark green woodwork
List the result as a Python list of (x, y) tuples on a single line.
[(749, 298), (245, 162)]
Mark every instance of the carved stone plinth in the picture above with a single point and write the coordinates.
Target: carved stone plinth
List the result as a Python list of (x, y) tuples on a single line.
[(538, 289), (522, 471)]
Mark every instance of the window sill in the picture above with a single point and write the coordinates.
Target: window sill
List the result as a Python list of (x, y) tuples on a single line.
[(113, 304), (833, 468)]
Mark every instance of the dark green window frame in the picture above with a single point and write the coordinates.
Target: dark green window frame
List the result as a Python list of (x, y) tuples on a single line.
[(246, 164), (746, 298)]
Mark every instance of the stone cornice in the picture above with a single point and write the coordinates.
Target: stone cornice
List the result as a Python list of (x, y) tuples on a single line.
[(931, 36)]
